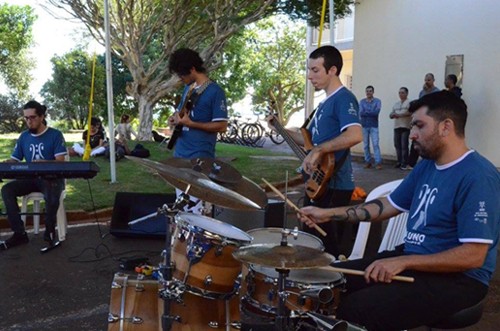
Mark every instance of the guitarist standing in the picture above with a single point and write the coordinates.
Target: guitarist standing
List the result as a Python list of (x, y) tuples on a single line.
[(202, 112), (333, 128)]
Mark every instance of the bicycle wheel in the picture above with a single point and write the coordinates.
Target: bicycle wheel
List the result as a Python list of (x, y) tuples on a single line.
[(276, 137), (251, 133)]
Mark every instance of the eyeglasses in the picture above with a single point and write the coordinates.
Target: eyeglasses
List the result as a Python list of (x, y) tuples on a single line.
[(30, 118)]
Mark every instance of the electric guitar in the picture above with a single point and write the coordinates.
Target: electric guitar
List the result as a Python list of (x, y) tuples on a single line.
[(317, 182), (186, 108)]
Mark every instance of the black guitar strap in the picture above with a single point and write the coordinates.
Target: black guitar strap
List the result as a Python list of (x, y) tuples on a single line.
[(199, 91)]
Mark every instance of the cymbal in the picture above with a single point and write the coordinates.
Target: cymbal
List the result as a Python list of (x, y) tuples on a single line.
[(200, 185), (243, 185), (283, 257), (216, 170)]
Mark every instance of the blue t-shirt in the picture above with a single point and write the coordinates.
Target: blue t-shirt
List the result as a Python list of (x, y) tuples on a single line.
[(210, 106), (452, 204), (334, 115), (44, 146)]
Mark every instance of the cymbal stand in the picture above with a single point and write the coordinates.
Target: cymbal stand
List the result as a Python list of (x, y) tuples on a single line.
[(172, 290), (282, 317)]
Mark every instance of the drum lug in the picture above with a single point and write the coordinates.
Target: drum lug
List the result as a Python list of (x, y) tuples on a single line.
[(208, 280), (219, 248)]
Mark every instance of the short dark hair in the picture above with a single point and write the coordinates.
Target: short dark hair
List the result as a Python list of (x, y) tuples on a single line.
[(370, 86), (442, 105), (331, 57), (124, 118), (39, 108), (182, 60), (94, 121), (404, 88), (453, 78)]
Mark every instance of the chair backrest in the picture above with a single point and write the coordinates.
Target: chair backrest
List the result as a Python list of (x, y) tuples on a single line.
[(359, 247)]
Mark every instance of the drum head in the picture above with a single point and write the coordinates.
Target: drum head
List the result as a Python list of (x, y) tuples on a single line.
[(213, 226), (273, 236), (304, 276)]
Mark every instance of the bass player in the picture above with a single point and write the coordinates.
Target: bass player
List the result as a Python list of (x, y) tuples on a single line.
[(333, 129)]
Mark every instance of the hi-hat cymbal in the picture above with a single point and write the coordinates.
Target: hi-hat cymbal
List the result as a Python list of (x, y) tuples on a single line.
[(228, 177), (200, 185), (283, 257), (216, 170)]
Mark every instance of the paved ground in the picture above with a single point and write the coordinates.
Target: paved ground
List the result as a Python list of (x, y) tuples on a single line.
[(69, 288)]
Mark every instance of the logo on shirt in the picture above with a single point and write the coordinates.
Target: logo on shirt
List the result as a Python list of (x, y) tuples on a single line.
[(352, 110), (314, 128), (426, 197), (36, 151), (481, 215)]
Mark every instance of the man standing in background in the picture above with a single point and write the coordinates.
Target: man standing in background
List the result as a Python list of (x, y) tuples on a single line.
[(451, 85), (402, 119), (369, 108)]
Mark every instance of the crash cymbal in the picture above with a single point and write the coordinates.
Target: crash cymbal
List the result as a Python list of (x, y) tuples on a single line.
[(226, 177), (216, 170), (283, 257), (200, 185)]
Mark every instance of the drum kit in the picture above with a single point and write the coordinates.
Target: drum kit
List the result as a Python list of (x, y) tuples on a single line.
[(216, 276)]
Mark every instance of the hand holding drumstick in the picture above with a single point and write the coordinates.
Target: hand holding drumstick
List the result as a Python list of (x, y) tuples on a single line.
[(291, 204)]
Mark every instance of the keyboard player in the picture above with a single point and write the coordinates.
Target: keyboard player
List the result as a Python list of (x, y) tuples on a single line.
[(39, 143)]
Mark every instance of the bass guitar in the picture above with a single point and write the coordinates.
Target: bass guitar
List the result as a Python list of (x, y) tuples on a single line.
[(317, 182)]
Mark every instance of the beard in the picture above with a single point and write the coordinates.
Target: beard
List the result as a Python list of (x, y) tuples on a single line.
[(432, 149), (33, 130)]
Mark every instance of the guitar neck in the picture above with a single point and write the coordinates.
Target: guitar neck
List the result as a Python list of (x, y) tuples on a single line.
[(298, 150)]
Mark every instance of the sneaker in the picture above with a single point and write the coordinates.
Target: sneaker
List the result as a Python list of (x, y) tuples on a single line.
[(407, 167), (368, 166), (15, 240), (378, 167)]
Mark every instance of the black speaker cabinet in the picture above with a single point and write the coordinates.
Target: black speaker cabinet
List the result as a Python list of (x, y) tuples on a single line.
[(134, 206), (271, 216)]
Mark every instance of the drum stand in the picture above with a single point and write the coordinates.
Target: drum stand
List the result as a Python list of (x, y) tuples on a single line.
[(171, 290)]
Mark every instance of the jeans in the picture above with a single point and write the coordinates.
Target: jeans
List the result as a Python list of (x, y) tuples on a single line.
[(51, 190), (401, 142), (373, 134)]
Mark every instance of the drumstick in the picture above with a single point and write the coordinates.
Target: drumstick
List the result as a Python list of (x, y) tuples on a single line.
[(291, 204), (362, 273)]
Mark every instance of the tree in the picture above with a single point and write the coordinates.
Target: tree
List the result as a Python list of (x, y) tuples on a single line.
[(67, 94), (10, 117), (16, 38), (145, 32)]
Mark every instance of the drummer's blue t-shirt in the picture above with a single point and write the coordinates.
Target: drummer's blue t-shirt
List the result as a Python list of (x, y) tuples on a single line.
[(210, 106), (450, 205)]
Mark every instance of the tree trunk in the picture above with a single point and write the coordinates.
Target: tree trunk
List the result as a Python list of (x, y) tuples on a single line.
[(145, 118)]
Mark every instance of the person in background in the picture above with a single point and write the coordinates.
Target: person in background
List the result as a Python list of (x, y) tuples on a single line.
[(369, 108), (97, 140), (402, 119), (39, 143), (450, 83), (124, 129), (450, 249), (334, 128)]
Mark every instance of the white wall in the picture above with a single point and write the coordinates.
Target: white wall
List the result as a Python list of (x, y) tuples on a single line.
[(396, 42)]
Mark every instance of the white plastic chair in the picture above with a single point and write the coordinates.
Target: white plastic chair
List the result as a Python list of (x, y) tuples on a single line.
[(358, 250), (37, 197)]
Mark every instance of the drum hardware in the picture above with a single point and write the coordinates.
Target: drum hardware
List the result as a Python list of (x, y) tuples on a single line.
[(327, 323), (112, 318), (322, 294)]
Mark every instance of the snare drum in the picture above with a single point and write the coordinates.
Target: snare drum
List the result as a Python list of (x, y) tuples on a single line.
[(202, 255), (262, 290)]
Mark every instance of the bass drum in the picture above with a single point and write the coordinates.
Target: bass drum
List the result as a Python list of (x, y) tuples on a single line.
[(134, 304)]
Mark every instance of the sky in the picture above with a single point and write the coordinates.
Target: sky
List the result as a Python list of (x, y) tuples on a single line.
[(51, 36)]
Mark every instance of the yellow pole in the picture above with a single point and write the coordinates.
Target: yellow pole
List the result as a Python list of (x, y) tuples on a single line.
[(322, 23), (86, 154)]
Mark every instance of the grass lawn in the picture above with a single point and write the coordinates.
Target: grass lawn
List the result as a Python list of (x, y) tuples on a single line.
[(99, 192)]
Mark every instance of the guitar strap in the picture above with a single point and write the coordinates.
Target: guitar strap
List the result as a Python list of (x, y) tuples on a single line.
[(199, 91)]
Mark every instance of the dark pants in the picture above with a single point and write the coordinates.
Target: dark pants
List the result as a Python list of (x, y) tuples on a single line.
[(401, 143), (331, 198), (413, 157), (400, 305), (51, 190)]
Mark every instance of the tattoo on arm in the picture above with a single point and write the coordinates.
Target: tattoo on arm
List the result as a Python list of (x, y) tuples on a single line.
[(360, 213)]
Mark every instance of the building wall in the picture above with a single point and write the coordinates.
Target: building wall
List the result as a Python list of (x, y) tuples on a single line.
[(397, 42)]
